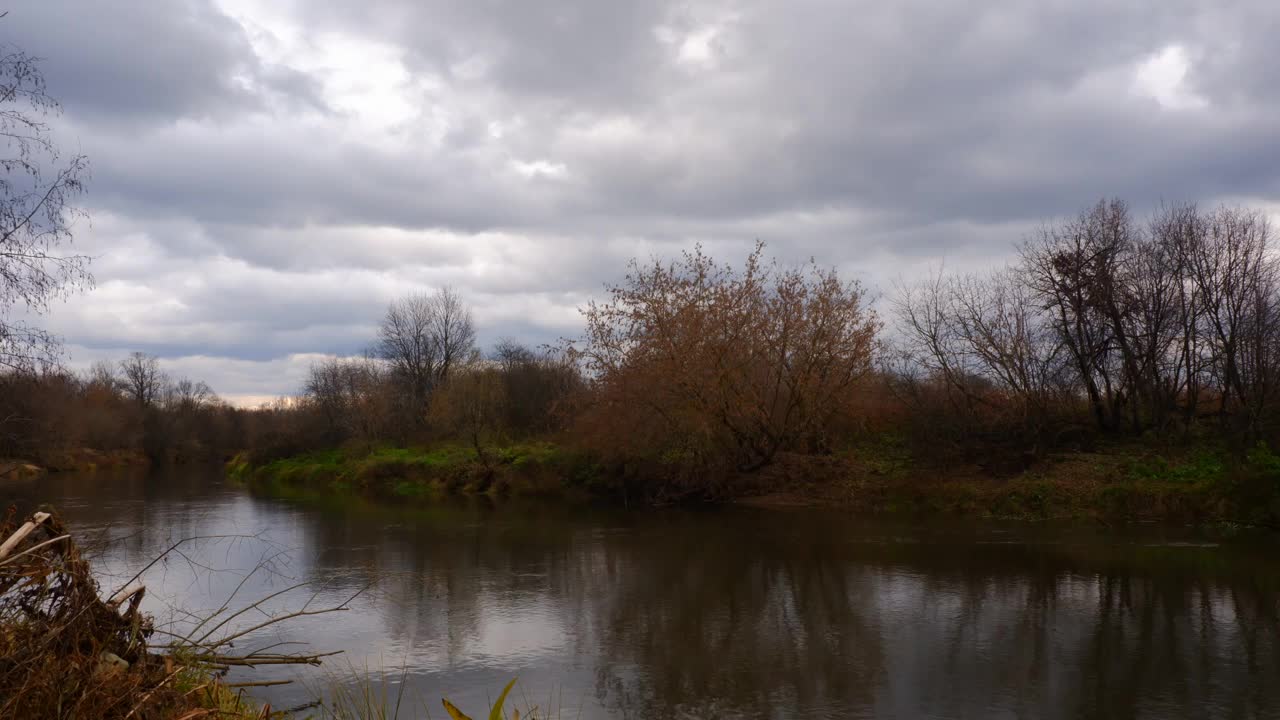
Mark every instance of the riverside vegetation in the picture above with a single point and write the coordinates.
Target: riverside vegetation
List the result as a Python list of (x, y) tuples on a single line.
[(1117, 365), (1118, 369)]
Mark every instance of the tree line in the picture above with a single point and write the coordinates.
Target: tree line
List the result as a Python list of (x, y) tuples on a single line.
[(1168, 326), (425, 378), (1103, 326), (130, 409), (688, 371)]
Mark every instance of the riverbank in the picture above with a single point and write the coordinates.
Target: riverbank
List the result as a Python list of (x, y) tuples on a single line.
[(75, 460), (1130, 483), (417, 473), (1122, 483), (68, 651)]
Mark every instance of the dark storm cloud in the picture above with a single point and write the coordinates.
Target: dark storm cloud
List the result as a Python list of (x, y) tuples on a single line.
[(149, 61), (998, 113), (994, 112), (991, 113), (568, 53), (251, 177), (522, 151)]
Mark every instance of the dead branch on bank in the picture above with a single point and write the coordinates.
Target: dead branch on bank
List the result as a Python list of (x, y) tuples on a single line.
[(66, 652)]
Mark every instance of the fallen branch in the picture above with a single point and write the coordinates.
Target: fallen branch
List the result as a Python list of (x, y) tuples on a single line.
[(21, 534), (258, 683), (34, 548), (242, 661), (125, 593), (68, 642)]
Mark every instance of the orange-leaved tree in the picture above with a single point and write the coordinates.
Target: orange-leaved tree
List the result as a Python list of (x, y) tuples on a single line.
[(725, 366)]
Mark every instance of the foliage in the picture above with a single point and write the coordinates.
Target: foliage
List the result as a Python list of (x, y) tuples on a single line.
[(472, 404), (723, 366), (1205, 466), (417, 473), (64, 421)]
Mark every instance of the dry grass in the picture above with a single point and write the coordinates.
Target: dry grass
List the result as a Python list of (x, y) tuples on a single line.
[(65, 652)]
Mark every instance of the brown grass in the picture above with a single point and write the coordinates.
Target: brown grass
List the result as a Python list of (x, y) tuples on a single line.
[(67, 653)]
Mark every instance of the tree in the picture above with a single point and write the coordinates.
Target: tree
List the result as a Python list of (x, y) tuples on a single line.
[(38, 189), (350, 398), (187, 395), (727, 364), (987, 341), (472, 403), (423, 338), (142, 378), (102, 377), (1072, 270), (1237, 276), (537, 386), (1176, 234)]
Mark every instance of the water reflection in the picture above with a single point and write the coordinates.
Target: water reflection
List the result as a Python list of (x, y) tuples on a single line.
[(730, 613)]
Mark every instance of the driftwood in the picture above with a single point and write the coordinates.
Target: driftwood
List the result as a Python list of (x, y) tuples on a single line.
[(128, 591), (61, 630), (256, 660), (21, 534)]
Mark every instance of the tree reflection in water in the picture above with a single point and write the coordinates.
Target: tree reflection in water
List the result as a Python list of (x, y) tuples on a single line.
[(746, 613)]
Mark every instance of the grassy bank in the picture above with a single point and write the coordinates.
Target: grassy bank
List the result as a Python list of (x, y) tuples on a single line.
[(1133, 482), (75, 460), (420, 473)]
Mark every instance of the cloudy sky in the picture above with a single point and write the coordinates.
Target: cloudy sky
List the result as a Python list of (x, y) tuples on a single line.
[(266, 176)]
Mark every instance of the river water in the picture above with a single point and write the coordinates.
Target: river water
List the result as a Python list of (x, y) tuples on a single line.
[(726, 613)]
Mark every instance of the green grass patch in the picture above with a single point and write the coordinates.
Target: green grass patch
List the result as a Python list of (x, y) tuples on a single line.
[(1201, 466), (881, 454), (412, 473)]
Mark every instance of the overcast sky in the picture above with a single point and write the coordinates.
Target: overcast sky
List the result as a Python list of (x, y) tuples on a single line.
[(266, 176)]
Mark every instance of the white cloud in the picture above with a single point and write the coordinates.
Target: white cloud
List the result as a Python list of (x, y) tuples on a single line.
[(1162, 77), (540, 168)]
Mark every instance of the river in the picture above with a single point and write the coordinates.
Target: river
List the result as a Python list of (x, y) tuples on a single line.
[(725, 613)]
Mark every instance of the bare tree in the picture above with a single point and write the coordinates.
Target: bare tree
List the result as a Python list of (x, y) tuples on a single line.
[(538, 386), (929, 339), (37, 193), (351, 397), (1177, 232), (102, 376), (1238, 282), (1155, 321), (989, 343), (325, 389), (1160, 322), (1072, 270), (423, 338), (142, 378), (186, 395)]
